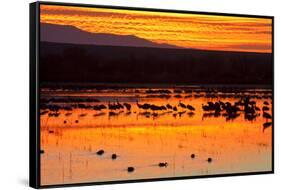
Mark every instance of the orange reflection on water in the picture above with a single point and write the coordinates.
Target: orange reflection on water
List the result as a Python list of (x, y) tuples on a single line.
[(142, 142)]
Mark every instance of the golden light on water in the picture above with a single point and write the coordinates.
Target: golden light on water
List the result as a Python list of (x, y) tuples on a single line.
[(183, 30), (70, 148)]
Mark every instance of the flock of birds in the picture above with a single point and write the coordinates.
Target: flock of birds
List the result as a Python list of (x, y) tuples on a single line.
[(114, 156), (160, 164), (245, 105)]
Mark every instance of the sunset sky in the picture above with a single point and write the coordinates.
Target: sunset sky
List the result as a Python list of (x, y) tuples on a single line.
[(183, 30)]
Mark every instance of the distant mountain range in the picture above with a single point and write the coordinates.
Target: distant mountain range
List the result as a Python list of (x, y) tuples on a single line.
[(71, 35), (68, 54)]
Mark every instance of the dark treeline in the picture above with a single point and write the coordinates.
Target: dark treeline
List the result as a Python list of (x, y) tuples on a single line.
[(90, 63)]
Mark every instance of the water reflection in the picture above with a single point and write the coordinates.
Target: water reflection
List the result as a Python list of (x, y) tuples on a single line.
[(92, 135)]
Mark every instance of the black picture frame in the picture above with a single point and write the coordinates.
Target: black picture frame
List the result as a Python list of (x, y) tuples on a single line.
[(34, 95)]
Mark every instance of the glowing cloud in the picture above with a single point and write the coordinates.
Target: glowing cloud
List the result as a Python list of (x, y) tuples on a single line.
[(208, 32)]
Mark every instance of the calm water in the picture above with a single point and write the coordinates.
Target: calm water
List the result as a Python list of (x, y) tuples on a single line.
[(71, 136)]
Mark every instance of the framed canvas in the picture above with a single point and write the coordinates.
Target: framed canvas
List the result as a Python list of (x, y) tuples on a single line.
[(121, 94)]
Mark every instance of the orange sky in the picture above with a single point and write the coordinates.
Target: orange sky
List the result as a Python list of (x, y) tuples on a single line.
[(183, 30)]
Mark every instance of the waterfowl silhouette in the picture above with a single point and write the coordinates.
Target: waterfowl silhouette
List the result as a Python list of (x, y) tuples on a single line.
[(265, 108), (115, 106), (182, 105), (120, 106), (205, 107), (114, 156), (265, 103), (100, 152), (266, 115), (192, 156), (130, 169), (163, 164), (99, 107), (190, 107), (163, 108), (55, 114), (169, 106), (143, 106), (128, 106)]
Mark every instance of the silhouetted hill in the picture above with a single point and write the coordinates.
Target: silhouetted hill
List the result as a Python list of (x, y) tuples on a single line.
[(72, 35), (90, 63)]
